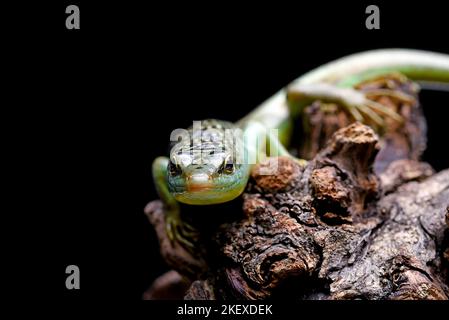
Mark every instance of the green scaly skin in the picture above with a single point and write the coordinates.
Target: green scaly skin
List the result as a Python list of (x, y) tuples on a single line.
[(210, 169)]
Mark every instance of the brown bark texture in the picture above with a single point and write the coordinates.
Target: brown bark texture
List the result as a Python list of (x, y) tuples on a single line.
[(364, 219)]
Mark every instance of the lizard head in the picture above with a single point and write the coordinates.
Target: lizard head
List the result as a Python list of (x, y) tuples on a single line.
[(213, 178), (202, 184)]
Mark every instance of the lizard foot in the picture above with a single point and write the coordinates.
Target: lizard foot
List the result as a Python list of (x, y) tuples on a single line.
[(365, 108), (180, 231)]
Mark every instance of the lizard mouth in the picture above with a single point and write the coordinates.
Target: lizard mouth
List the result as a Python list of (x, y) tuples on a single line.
[(198, 182), (208, 193), (199, 187)]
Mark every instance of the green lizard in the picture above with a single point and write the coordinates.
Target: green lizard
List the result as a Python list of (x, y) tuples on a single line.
[(208, 166)]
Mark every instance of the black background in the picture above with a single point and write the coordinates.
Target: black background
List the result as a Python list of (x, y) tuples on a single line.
[(102, 101)]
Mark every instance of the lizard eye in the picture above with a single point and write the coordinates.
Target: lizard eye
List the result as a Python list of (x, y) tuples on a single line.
[(174, 169), (228, 168)]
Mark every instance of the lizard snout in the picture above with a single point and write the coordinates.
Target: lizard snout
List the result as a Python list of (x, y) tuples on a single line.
[(199, 182)]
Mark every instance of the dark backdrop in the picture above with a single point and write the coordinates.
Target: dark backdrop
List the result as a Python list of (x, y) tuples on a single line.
[(110, 94)]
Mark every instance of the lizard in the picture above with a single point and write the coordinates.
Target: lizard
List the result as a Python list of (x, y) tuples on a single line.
[(208, 166)]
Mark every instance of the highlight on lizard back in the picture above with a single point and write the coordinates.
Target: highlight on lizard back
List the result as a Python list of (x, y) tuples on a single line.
[(362, 133)]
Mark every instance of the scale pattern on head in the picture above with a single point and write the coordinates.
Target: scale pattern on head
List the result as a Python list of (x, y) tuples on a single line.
[(206, 164), (206, 149)]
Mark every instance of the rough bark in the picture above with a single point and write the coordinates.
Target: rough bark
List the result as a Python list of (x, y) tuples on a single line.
[(169, 286)]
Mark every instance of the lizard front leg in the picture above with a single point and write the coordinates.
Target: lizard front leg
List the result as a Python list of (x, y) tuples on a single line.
[(263, 142), (176, 229)]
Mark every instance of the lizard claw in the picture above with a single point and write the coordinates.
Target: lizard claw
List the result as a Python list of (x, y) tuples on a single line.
[(364, 108), (371, 108)]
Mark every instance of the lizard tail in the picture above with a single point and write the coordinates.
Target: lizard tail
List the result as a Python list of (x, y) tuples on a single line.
[(430, 69), (417, 65)]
